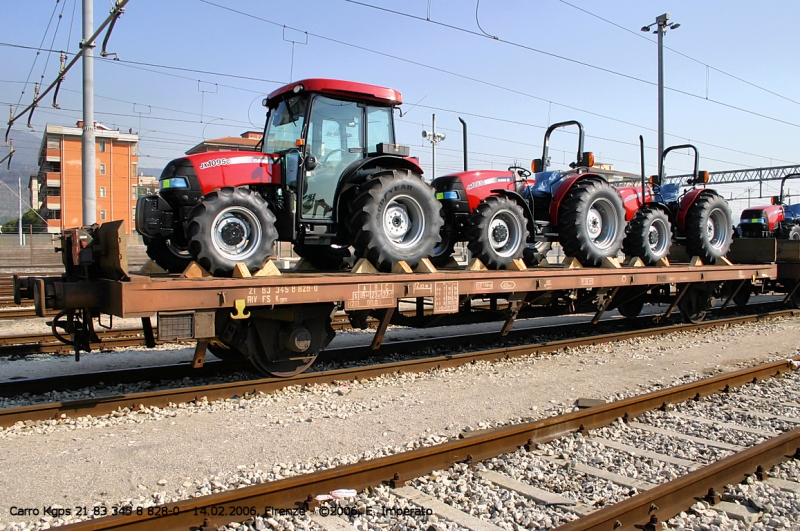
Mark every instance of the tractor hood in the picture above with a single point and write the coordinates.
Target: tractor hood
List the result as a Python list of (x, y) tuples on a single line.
[(215, 169)]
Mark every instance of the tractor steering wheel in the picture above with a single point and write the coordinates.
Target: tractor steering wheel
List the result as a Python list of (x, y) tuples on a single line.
[(522, 172), (329, 153)]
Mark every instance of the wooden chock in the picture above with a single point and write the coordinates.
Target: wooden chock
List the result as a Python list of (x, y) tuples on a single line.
[(303, 265), (663, 262), (240, 271), (634, 261), (269, 269), (517, 264), (402, 267), (570, 262), (724, 261), (425, 266), (195, 270), (476, 265), (695, 261), (364, 266), (610, 262), (151, 267)]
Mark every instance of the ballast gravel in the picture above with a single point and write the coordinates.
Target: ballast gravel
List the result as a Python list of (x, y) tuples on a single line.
[(154, 455)]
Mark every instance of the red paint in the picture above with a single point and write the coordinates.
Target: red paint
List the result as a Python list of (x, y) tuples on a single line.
[(216, 169), (346, 89), (632, 199), (686, 202), (479, 184)]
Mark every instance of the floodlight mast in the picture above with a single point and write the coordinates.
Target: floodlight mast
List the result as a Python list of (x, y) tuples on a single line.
[(662, 25)]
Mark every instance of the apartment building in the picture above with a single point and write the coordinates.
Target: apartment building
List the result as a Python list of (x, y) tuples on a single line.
[(60, 181)]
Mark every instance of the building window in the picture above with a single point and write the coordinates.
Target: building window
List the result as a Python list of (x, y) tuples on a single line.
[(102, 215), (102, 169), (134, 167), (102, 146), (102, 191)]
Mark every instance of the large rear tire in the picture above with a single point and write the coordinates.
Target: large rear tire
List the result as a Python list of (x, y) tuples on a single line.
[(395, 216), (708, 228), (231, 225), (497, 232), (591, 222), (649, 236), (167, 255)]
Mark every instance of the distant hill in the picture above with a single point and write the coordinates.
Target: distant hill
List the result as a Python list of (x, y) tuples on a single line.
[(155, 172), (24, 163)]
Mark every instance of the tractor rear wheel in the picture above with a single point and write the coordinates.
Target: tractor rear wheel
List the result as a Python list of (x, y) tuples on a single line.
[(591, 222), (231, 225), (536, 253), (708, 228), (497, 232), (395, 217), (167, 255), (649, 236)]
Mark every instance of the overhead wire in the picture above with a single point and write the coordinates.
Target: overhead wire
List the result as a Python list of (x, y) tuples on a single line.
[(575, 61), (698, 61), (38, 52)]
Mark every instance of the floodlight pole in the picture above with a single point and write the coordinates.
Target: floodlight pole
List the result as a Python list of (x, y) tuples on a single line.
[(434, 138), (662, 29), (89, 181)]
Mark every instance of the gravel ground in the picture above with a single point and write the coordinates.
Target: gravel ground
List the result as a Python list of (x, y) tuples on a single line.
[(149, 456)]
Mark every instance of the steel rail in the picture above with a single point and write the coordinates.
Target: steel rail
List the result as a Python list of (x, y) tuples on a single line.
[(299, 491), (108, 404)]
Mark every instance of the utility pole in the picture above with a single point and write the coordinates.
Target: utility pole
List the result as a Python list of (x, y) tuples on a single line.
[(88, 138), (662, 24), (19, 223), (434, 138)]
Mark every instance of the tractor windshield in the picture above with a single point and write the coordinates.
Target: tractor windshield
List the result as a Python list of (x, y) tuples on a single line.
[(285, 125)]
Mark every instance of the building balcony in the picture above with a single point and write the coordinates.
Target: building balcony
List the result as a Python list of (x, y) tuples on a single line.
[(53, 155), (52, 180), (53, 226), (52, 202)]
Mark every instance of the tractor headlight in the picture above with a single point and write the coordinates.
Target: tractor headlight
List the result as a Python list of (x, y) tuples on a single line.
[(446, 195), (174, 182)]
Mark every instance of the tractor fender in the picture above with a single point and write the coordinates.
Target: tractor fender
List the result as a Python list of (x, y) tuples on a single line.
[(359, 171), (686, 203), (564, 186), (526, 208)]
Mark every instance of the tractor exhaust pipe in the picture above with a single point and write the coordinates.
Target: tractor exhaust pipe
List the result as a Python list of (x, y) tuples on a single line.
[(641, 158), (464, 134)]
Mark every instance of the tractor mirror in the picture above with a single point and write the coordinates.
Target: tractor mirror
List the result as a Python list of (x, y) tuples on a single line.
[(537, 165), (310, 163), (702, 177), (654, 180), (587, 159)]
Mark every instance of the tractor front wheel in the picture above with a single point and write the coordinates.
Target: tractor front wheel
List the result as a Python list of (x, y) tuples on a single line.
[(649, 236), (395, 217), (789, 233), (708, 228), (591, 222), (497, 232), (228, 226), (166, 254)]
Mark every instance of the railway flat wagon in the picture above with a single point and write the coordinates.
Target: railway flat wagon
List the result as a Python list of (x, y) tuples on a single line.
[(280, 319)]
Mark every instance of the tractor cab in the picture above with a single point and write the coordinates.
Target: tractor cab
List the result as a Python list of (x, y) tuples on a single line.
[(322, 130)]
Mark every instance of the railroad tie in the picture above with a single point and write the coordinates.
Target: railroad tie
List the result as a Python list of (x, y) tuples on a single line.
[(538, 495), (722, 424), (445, 511), (608, 443), (683, 436), (619, 479)]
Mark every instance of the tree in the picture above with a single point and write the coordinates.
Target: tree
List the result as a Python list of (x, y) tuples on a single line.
[(29, 219)]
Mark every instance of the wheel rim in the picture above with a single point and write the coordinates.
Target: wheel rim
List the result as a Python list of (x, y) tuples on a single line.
[(657, 237), (403, 221), (236, 233), (601, 223), (717, 228), (504, 234)]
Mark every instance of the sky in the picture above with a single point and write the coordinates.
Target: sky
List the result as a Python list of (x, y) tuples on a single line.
[(190, 70)]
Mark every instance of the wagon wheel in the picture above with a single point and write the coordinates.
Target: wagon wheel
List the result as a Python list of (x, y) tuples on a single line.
[(695, 304), (285, 349)]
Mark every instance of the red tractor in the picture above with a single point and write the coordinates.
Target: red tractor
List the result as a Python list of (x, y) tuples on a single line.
[(700, 218), (328, 176), (775, 221), (505, 215)]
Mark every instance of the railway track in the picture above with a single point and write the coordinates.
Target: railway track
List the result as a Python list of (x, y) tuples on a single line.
[(424, 348), (625, 465)]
